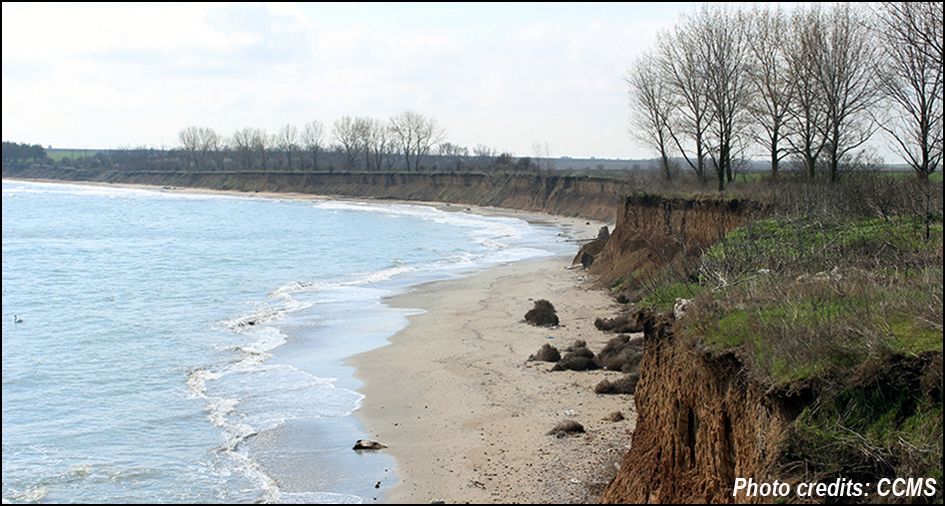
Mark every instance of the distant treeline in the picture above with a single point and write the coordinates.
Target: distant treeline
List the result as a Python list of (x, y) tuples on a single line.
[(23, 153), (275, 160)]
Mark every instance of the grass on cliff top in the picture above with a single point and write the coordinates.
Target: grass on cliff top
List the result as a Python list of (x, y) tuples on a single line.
[(853, 305), (804, 296)]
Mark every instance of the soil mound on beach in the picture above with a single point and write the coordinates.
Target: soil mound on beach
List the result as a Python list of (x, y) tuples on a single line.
[(542, 315)]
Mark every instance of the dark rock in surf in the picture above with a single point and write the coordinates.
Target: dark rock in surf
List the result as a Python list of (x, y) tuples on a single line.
[(365, 444)]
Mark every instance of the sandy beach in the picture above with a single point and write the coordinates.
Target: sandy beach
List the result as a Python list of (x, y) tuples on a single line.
[(463, 412)]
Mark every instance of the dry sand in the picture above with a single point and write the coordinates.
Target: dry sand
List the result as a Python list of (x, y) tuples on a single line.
[(466, 416)]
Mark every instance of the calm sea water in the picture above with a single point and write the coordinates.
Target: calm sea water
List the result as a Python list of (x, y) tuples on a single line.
[(181, 347)]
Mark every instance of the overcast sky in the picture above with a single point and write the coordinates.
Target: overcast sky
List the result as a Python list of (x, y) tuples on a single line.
[(503, 75)]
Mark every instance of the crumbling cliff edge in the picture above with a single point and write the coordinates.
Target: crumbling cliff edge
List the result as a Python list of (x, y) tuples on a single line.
[(707, 416), (586, 197)]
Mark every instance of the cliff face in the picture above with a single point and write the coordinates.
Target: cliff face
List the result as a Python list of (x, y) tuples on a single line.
[(654, 233), (582, 196), (701, 423)]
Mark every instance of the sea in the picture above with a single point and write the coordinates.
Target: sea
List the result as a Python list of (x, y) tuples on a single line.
[(166, 346)]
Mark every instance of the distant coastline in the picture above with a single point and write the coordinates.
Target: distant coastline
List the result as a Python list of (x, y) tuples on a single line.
[(588, 197)]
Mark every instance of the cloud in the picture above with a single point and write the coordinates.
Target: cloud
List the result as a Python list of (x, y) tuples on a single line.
[(504, 75)]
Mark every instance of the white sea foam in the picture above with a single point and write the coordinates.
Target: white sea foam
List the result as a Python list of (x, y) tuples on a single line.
[(318, 498)]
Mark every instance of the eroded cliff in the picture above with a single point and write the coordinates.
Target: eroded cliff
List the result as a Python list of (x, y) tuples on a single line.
[(701, 422), (581, 196), (708, 414), (654, 233)]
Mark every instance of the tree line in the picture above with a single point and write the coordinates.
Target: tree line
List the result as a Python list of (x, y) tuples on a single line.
[(809, 87), (23, 152), (401, 143), (352, 143)]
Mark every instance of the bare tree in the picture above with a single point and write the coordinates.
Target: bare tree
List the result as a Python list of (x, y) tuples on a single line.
[(651, 104), (721, 46), (484, 155), (843, 67), (769, 75), (911, 79), (222, 152), (415, 135), (347, 135), (190, 143), (210, 145), (287, 140), (312, 139), (377, 143), (242, 145), (455, 153), (684, 71), (452, 150), (542, 154), (806, 111), (262, 146)]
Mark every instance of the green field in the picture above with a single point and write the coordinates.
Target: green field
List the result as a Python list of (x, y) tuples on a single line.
[(58, 154)]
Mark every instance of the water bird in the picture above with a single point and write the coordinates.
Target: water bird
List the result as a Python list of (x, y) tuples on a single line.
[(17, 320)]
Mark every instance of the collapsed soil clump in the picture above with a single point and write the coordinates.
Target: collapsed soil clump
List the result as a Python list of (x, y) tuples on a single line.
[(626, 384), (547, 353), (542, 315), (565, 428), (577, 358)]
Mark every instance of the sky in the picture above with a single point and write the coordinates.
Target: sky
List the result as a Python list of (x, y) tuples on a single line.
[(508, 76)]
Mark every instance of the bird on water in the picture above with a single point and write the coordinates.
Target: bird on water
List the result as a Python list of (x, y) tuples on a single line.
[(17, 320)]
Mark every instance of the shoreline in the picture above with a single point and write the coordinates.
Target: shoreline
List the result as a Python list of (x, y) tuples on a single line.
[(580, 229), (463, 413)]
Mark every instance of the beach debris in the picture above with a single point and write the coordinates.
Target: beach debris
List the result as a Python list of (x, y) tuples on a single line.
[(622, 324), (627, 384), (577, 358), (547, 353), (622, 353), (572, 362), (543, 314), (366, 444), (565, 428), (576, 345)]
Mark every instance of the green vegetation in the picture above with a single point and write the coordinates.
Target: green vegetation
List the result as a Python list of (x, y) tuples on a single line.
[(886, 421), (663, 297), (23, 152), (807, 295), (832, 292), (838, 291), (58, 155)]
